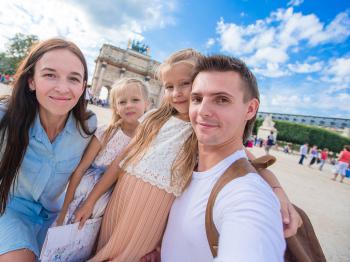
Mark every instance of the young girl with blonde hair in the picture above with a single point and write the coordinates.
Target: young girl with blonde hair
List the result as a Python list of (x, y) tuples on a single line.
[(155, 168), (128, 101)]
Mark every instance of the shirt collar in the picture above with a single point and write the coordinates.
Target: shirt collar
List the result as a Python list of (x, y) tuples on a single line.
[(37, 130)]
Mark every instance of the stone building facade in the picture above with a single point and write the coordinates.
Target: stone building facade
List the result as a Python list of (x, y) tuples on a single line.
[(114, 63), (330, 122)]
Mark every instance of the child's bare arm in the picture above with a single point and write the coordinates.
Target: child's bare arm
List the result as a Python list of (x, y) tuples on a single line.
[(107, 180), (88, 157)]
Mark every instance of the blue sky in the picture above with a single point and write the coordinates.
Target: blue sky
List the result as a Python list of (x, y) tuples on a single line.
[(299, 50)]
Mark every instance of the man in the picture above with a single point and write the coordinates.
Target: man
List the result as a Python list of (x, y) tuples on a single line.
[(224, 102), (269, 142), (303, 152)]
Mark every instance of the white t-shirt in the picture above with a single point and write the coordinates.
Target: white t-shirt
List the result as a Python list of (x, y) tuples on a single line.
[(246, 214), (303, 150)]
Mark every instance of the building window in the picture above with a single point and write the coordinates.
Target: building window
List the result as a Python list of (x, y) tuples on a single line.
[(332, 123), (312, 121), (303, 120)]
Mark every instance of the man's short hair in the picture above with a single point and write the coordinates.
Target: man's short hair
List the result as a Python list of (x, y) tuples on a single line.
[(222, 63)]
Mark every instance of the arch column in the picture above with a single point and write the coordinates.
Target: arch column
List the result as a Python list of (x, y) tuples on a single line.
[(97, 89)]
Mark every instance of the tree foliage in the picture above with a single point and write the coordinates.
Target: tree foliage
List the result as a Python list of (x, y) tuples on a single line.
[(17, 48), (299, 134)]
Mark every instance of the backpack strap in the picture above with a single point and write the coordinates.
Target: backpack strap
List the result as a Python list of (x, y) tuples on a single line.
[(239, 168), (263, 162)]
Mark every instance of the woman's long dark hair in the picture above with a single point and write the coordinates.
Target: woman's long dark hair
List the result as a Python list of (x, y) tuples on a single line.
[(22, 107)]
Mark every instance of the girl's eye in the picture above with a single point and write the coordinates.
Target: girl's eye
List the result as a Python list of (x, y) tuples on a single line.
[(122, 102), (169, 87), (185, 84), (136, 100)]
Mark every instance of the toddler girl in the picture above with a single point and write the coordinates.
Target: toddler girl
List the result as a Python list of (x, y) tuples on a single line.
[(128, 101)]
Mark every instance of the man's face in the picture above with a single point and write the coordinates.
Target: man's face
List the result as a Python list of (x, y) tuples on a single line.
[(217, 111)]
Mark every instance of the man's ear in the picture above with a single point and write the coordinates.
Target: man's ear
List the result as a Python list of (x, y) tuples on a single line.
[(31, 84), (252, 109)]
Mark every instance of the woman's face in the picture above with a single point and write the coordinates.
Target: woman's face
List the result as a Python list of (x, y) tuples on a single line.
[(58, 82)]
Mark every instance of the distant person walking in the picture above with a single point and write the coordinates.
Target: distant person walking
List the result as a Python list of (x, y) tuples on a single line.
[(314, 155), (269, 142), (324, 156), (343, 163), (303, 152)]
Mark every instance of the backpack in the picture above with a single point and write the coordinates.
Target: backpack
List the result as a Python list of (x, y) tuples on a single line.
[(302, 247)]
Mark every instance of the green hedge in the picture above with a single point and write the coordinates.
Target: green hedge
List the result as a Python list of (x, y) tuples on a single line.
[(299, 134)]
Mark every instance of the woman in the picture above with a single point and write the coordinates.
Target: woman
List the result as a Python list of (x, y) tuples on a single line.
[(44, 130)]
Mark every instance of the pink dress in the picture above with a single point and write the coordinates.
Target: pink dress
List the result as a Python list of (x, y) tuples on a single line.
[(137, 212)]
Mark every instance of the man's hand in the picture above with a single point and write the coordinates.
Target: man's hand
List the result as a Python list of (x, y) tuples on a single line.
[(83, 213), (290, 217), (153, 256)]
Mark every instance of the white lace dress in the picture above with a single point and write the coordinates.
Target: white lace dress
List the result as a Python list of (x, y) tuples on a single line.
[(104, 158), (136, 214)]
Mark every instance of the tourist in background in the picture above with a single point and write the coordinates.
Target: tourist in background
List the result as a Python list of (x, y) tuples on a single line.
[(343, 163), (269, 142), (303, 152), (314, 155), (323, 158)]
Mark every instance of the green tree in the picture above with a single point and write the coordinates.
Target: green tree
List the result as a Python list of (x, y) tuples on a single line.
[(299, 134), (17, 48)]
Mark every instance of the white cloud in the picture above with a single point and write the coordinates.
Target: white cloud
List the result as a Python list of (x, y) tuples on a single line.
[(231, 37), (304, 68), (270, 55), (144, 14), (290, 101), (82, 23), (336, 32), (295, 2), (295, 27), (271, 70), (337, 74), (268, 43), (210, 43)]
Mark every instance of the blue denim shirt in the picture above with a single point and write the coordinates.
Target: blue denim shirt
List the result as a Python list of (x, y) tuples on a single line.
[(46, 167)]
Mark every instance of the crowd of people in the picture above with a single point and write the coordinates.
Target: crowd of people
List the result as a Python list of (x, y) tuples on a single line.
[(341, 163), (148, 173), (5, 78)]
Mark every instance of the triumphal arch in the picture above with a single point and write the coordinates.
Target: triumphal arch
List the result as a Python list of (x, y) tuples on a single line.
[(114, 63)]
